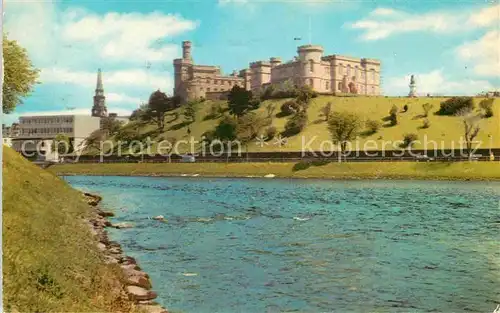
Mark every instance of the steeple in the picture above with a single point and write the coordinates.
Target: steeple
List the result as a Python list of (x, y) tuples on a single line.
[(99, 108), (99, 86)]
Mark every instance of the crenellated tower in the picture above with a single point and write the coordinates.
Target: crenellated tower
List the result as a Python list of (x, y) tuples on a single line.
[(99, 108)]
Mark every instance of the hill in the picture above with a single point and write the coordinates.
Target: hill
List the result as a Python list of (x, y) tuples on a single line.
[(50, 261), (446, 131)]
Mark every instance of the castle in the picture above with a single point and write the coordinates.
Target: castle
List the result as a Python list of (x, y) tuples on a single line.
[(331, 74)]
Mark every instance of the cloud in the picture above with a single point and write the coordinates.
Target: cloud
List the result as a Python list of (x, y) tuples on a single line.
[(127, 36), (75, 35), (385, 22), (122, 98), (124, 78), (486, 17), (436, 83), (483, 53)]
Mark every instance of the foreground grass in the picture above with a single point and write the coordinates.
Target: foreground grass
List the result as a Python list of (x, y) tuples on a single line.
[(50, 262), (393, 170)]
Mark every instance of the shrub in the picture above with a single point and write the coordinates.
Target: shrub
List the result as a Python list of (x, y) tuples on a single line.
[(456, 104), (271, 132), (373, 126), (295, 124), (426, 123), (409, 139), (393, 115), (487, 106), (405, 108), (300, 166), (290, 107), (427, 107)]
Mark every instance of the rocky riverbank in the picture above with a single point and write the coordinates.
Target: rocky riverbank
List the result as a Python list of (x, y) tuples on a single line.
[(135, 285)]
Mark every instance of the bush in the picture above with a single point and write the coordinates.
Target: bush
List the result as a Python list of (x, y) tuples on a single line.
[(487, 106), (409, 139), (300, 166), (405, 108), (373, 126), (393, 115), (290, 107), (426, 123), (287, 89), (453, 105), (271, 132), (295, 124)]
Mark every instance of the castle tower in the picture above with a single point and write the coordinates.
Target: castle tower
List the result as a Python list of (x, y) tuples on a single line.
[(99, 108), (413, 87), (186, 50), (310, 56)]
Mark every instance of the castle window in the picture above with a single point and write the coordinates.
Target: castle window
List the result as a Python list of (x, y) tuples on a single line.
[(311, 82), (208, 81), (340, 69), (327, 85), (363, 75), (348, 70), (373, 75), (208, 89), (311, 65)]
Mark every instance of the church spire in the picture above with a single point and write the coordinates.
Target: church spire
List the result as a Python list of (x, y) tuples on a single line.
[(99, 109)]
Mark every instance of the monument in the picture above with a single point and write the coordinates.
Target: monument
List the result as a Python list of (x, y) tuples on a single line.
[(413, 87)]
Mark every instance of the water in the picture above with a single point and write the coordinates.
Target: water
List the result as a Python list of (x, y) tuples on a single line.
[(241, 245)]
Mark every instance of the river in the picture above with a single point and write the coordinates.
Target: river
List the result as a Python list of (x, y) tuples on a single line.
[(276, 245)]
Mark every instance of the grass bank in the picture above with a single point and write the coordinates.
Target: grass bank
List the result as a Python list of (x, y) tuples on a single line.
[(368, 170), (50, 261)]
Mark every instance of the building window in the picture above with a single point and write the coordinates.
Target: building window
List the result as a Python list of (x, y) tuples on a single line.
[(311, 65), (208, 81), (327, 85), (373, 75), (208, 89), (311, 82), (340, 70), (348, 70), (363, 75)]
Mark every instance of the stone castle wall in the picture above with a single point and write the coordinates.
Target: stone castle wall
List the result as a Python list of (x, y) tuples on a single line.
[(332, 74)]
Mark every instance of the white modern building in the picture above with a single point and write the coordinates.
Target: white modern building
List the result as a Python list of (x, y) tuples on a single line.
[(36, 133)]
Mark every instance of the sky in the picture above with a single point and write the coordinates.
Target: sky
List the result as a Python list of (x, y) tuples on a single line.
[(451, 46)]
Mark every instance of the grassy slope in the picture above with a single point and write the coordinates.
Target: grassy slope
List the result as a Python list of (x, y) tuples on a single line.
[(50, 262), (443, 129), (422, 170)]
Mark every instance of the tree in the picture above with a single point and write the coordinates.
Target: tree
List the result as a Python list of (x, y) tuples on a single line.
[(158, 106), (111, 124), (61, 144), (393, 115), (240, 101), (189, 111), (471, 128), (326, 110), (94, 140), (270, 108), (295, 124), (139, 114), (409, 139), (427, 107), (344, 127), (487, 106), (248, 128), (373, 126), (19, 75)]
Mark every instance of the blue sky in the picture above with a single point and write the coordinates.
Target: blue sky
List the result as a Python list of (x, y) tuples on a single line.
[(451, 46)]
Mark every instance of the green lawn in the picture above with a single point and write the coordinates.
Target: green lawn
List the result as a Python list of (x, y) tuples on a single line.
[(392, 170), (443, 129), (50, 261)]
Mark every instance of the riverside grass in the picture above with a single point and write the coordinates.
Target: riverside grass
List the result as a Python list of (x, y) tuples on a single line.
[(50, 262), (355, 170)]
